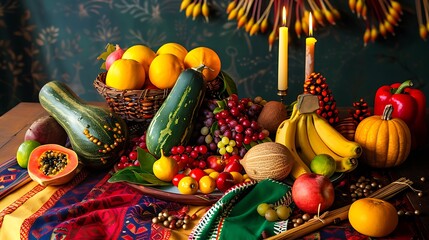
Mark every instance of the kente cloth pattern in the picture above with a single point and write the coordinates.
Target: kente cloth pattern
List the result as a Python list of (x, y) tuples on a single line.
[(89, 207)]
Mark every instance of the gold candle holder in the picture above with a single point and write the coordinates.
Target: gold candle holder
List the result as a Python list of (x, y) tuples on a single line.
[(282, 94)]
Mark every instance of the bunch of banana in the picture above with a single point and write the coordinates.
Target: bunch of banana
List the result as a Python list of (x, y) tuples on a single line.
[(308, 135), (286, 135)]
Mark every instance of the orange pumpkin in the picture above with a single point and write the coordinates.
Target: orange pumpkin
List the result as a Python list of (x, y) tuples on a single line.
[(386, 141), (373, 217)]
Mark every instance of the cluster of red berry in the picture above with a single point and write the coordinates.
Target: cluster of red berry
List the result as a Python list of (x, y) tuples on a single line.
[(190, 157)]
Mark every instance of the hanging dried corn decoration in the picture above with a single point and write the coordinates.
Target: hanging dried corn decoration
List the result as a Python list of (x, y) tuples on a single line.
[(380, 17), (255, 15), (423, 21), (195, 8)]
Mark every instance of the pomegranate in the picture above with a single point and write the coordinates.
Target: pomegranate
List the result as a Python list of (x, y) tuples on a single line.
[(113, 56)]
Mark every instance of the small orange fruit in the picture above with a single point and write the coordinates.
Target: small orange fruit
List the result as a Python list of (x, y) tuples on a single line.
[(238, 177), (373, 217), (141, 54), (188, 185), (207, 57), (214, 175), (173, 48), (207, 184), (164, 70), (126, 74)]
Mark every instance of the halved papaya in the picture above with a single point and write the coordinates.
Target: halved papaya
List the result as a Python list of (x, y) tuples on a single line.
[(52, 164)]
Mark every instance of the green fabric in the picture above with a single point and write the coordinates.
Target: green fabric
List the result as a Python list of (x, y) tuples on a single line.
[(234, 216)]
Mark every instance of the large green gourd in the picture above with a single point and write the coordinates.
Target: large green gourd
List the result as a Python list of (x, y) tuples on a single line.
[(96, 134), (173, 122)]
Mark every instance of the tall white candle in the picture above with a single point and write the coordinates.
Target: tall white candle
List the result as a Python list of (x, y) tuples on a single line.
[(309, 48), (283, 54)]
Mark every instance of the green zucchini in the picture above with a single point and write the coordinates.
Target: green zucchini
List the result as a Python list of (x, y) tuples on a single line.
[(174, 121), (97, 135)]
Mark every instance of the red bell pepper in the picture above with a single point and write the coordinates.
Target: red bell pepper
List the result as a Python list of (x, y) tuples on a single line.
[(409, 104)]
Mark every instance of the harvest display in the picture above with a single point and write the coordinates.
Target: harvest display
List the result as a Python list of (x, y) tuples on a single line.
[(205, 139)]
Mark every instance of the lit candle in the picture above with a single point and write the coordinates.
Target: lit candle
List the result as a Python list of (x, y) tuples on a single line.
[(309, 49), (283, 54)]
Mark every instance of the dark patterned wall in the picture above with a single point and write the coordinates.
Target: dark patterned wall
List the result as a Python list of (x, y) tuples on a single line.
[(44, 40)]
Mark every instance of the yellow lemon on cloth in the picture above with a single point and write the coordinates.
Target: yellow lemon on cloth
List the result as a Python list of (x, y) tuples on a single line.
[(141, 54), (126, 74), (207, 57), (173, 48), (164, 70)]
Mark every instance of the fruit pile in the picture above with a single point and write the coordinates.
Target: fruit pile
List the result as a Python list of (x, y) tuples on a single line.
[(204, 139), (308, 135), (139, 67)]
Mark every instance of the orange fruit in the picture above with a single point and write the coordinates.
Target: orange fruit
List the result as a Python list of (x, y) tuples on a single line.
[(207, 57), (373, 217), (207, 184), (173, 48), (126, 74), (164, 70), (214, 175), (238, 177), (141, 54)]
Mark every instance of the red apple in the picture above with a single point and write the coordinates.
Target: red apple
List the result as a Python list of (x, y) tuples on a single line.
[(310, 189), (233, 165), (216, 162), (224, 181)]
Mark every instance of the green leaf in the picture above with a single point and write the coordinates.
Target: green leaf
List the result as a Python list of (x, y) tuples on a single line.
[(103, 56), (136, 176), (214, 127), (221, 104), (126, 174), (151, 180), (146, 160), (228, 84)]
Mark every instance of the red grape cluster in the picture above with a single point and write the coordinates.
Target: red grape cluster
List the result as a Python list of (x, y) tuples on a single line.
[(233, 119), (190, 157), (129, 158)]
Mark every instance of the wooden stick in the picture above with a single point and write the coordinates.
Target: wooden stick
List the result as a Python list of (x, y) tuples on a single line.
[(340, 214)]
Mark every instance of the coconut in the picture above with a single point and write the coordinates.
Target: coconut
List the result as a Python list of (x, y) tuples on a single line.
[(272, 115)]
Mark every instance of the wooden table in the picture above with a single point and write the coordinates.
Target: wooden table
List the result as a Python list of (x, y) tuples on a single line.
[(15, 123)]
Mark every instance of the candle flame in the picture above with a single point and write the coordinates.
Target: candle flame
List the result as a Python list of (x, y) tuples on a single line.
[(284, 16), (310, 25)]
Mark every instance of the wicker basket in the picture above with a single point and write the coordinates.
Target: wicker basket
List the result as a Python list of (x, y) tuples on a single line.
[(131, 105)]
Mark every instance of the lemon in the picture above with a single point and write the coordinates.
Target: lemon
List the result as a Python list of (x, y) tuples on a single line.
[(24, 151), (323, 164)]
